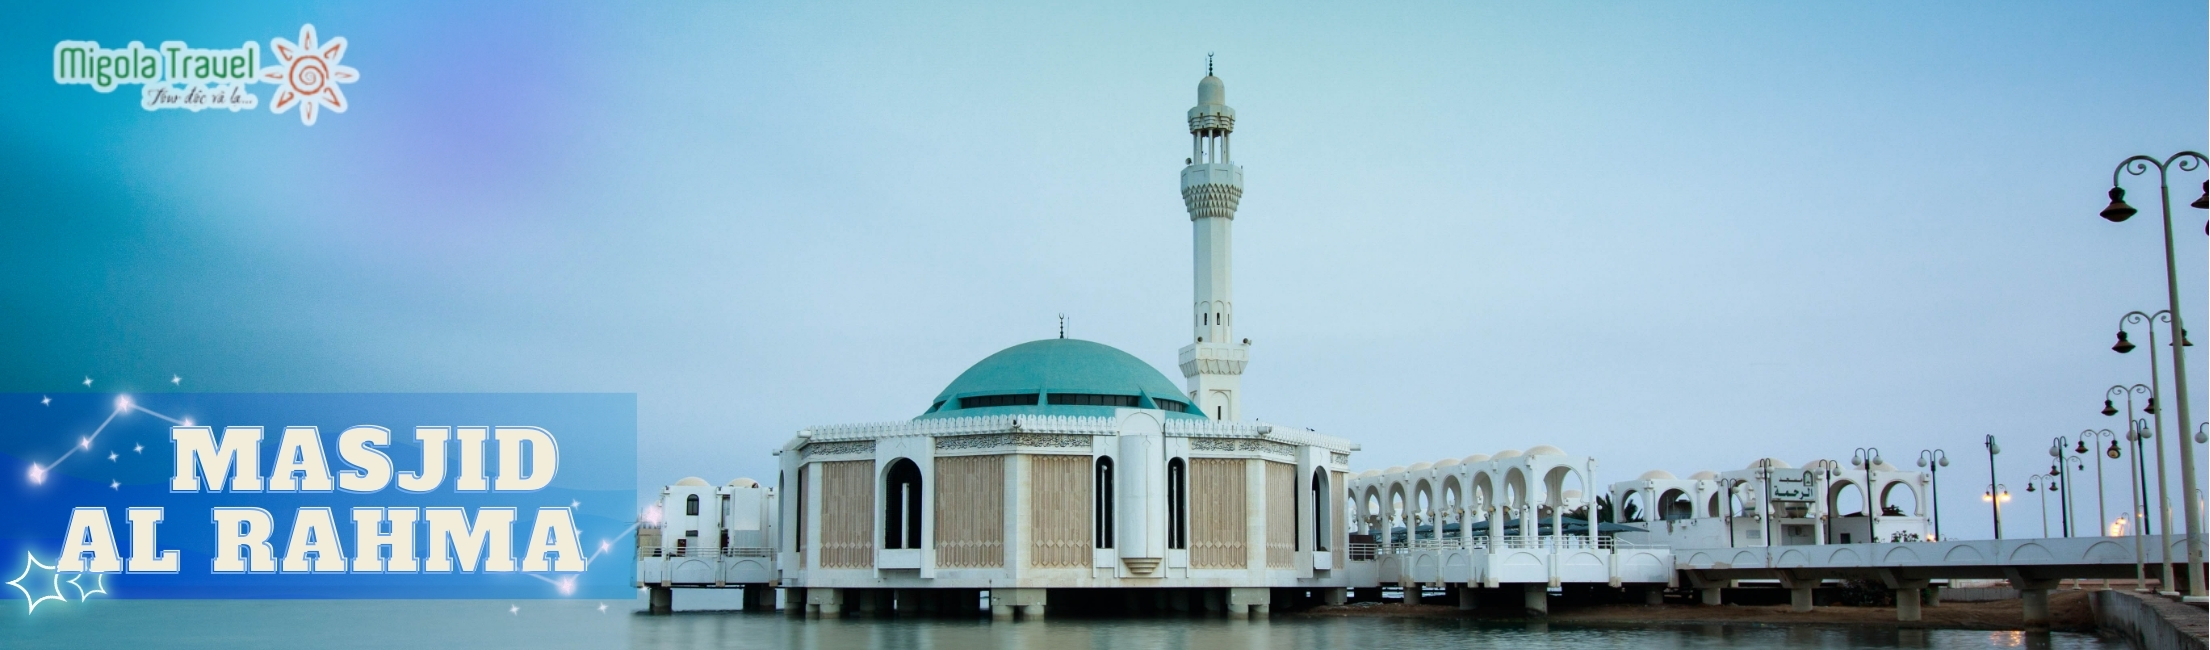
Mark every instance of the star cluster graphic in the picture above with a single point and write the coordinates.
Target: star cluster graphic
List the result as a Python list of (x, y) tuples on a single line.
[(40, 582)]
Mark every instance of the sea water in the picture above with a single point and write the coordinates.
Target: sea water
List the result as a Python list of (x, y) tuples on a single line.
[(340, 624)]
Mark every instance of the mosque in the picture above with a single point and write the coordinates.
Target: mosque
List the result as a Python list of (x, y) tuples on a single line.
[(1059, 466), (1064, 473)]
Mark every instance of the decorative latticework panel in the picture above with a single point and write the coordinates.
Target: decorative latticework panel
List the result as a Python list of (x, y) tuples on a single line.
[(1281, 514), (1059, 497), (848, 514), (970, 512), (1217, 514)]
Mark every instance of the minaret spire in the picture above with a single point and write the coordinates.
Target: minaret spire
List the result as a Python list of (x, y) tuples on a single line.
[(1212, 186)]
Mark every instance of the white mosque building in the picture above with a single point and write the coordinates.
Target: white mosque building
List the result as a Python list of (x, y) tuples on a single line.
[(1053, 467)]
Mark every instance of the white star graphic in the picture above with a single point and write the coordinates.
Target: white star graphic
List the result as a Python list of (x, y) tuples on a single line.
[(88, 382), (111, 457), (514, 609), (572, 503), (99, 585), (115, 485), (53, 583), (173, 379), (602, 608), (45, 401), (137, 449)]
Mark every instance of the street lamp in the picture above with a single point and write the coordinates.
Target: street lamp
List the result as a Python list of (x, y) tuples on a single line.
[(1992, 450), (1867, 457), (2163, 475), (2140, 514), (2033, 482), (2063, 471), (1996, 495), (2102, 516), (2119, 211), (1933, 460)]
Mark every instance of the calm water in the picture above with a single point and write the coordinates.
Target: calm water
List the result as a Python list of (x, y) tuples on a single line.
[(566, 624)]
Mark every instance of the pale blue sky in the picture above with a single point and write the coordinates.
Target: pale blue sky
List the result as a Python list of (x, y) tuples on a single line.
[(1674, 235)]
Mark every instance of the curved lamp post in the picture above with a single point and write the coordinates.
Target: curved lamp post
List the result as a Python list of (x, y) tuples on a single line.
[(2102, 515), (2163, 473), (1933, 460), (2036, 481), (2119, 211), (1867, 457), (1997, 510), (2063, 472)]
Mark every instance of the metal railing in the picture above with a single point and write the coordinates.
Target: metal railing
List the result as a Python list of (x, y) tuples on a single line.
[(709, 552)]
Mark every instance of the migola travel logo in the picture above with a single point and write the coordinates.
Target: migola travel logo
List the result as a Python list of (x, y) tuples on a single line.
[(176, 75)]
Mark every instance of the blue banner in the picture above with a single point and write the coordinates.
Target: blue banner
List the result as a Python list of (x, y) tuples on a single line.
[(317, 496)]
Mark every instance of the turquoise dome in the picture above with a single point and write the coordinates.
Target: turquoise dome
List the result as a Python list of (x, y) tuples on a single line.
[(1059, 377)]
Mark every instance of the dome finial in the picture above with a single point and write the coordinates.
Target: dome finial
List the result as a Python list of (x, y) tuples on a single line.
[(1062, 324), (1208, 64)]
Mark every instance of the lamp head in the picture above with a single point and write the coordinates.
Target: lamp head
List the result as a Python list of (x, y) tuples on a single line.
[(2123, 346), (2118, 210), (2080, 448), (2109, 409), (2151, 408), (2202, 203), (2112, 451), (1944, 460)]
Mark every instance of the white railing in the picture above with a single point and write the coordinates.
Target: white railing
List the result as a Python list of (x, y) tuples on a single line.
[(707, 552)]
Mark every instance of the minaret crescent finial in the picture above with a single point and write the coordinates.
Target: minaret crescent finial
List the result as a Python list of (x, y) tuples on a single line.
[(1208, 64)]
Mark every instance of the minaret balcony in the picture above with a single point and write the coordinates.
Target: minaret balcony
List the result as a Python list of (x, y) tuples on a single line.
[(1210, 358)]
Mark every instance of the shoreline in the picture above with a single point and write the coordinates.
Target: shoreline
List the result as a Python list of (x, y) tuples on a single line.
[(2068, 611)]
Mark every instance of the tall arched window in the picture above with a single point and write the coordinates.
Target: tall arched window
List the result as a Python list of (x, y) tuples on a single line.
[(690, 505), (901, 502), (1104, 507), (1320, 501), (1177, 504)]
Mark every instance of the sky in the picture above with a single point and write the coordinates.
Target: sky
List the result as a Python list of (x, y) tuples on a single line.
[(1674, 236)]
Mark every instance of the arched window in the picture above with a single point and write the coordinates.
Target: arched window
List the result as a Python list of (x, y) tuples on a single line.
[(1320, 503), (690, 505), (1177, 504), (901, 500), (1104, 507)]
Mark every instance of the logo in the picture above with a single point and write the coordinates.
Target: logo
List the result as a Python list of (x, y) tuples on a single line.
[(176, 75), (309, 75)]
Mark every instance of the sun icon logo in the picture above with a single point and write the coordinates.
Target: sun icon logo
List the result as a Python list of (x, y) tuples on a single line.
[(309, 75)]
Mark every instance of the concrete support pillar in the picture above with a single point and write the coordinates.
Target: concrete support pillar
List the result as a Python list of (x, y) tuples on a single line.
[(1907, 601), (1029, 603), (1538, 598), (1933, 595), (1799, 598), (1711, 595), (906, 602), (2037, 607), (867, 601), (1179, 601), (794, 601), (1254, 602), (1653, 596), (824, 603), (1411, 592), (1334, 595), (1216, 601), (1467, 600), (663, 600)]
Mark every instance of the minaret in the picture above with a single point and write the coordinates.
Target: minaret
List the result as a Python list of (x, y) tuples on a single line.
[(1211, 186)]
